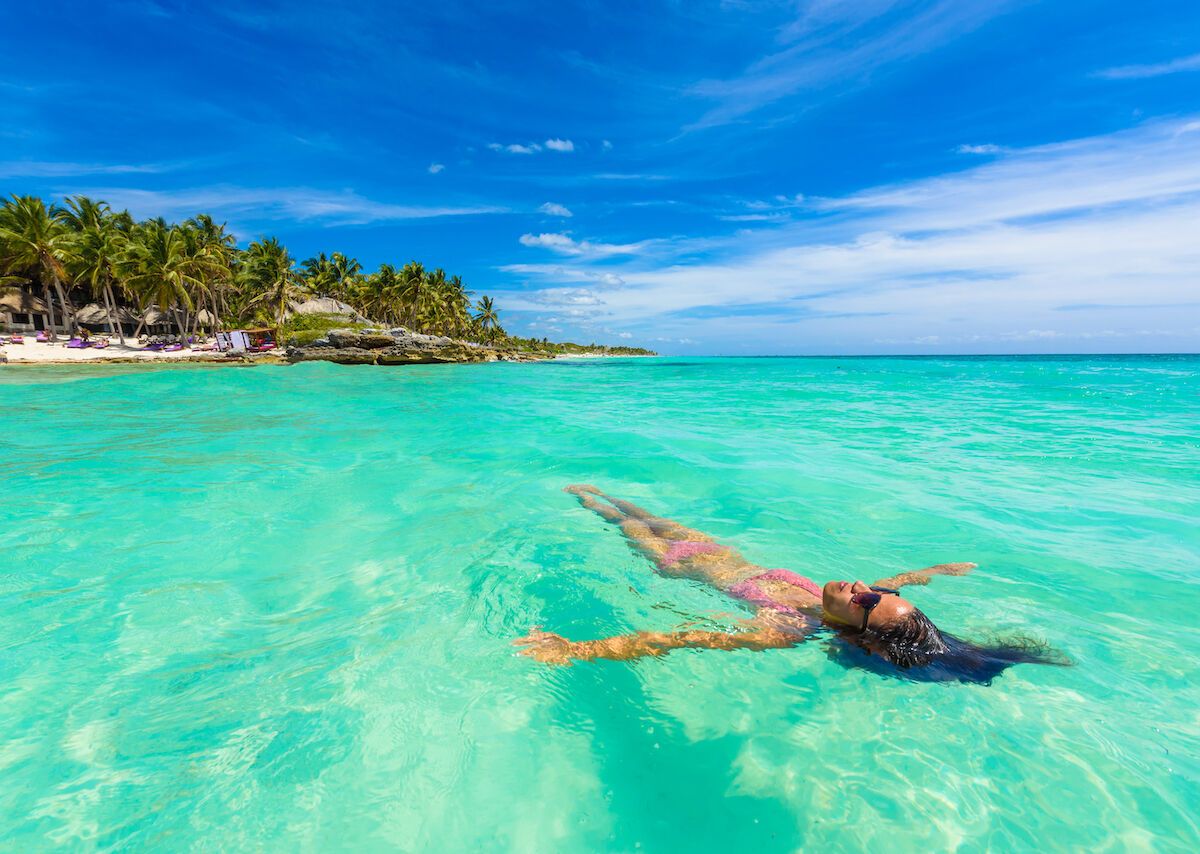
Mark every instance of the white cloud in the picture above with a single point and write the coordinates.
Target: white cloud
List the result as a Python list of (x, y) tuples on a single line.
[(555, 144), (1135, 72), (516, 148), (986, 148), (626, 335), (435, 168), (555, 209), (256, 204), (566, 297), (1076, 242), (567, 245), (559, 273), (606, 145), (838, 46), (760, 217), (59, 169)]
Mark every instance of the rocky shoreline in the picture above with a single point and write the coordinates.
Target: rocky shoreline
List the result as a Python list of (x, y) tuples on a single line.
[(400, 346)]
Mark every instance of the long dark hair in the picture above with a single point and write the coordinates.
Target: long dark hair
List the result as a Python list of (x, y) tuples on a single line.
[(914, 648)]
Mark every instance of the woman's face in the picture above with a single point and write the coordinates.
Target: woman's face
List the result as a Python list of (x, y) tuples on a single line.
[(836, 600)]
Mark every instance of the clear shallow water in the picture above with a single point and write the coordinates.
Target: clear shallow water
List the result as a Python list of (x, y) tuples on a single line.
[(271, 608)]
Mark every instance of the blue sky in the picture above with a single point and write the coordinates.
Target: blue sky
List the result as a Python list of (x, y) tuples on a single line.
[(905, 176)]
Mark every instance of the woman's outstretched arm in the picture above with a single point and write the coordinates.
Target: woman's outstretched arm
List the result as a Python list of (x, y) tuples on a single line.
[(550, 648), (922, 576)]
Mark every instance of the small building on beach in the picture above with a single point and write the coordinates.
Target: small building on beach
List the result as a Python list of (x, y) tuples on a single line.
[(21, 311), (94, 318)]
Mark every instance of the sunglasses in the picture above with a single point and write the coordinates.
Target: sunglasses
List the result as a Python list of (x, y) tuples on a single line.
[(868, 601)]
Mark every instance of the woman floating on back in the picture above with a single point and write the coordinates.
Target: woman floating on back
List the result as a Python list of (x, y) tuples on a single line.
[(872, 624)]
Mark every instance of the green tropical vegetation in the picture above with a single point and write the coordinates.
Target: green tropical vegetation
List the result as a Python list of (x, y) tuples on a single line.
[(194, 276)]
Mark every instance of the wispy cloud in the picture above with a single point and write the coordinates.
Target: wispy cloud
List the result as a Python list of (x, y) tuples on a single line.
[(515, 148), (566, 245), (435, 168), (565, 274), (273, 204), (553, 144), (839, 46), (1107, 220), (555, 209), (1136, 72), (986, 148), (60, 169)]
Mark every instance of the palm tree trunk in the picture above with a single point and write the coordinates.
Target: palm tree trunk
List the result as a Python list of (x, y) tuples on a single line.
[(180, 324), (68, 315), (109, 310), (50, 308), (141, 320), (112, 299)]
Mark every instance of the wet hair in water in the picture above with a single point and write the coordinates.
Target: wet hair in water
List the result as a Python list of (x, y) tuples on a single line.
[(914, 648)]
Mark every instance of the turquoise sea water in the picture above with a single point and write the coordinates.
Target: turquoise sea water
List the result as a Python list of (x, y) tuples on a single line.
[(271, 608)]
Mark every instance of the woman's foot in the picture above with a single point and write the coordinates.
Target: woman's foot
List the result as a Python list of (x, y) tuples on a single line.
[(581, 488), (951, 568)]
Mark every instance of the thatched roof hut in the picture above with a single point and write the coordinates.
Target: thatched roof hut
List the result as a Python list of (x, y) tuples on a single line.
[(155, 317), (327, 305), (18, 301), (94, 314)]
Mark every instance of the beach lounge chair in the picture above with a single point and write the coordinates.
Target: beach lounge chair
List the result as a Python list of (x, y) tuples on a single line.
[(156, 346), (43, 337), (100, 345), (171, 348), (17, 339), (76, 344)]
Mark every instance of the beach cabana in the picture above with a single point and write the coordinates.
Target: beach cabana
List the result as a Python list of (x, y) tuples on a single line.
[(21, 311), (94, 317), (205, 319), (157, 322), (327, 306)]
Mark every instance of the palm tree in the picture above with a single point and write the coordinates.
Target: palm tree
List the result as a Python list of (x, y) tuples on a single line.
[(412, 288), (270, 271), (160, 268), (215, 261), (345, 273), (433, 310), (95, 252), (385, 287), (487, 318), (320, 274), (33, 238)]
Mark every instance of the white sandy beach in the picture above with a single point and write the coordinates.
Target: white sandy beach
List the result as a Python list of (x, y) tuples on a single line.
[(34, 352)]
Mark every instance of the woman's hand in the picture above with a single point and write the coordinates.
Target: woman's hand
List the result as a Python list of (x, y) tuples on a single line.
[(548, 647)]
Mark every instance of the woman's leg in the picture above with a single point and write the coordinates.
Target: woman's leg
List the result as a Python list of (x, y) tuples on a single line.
[(667, 529), (640, 537)]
